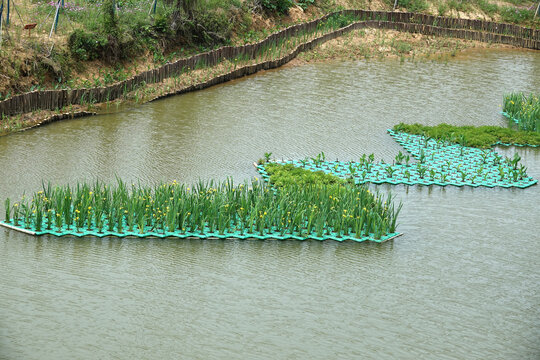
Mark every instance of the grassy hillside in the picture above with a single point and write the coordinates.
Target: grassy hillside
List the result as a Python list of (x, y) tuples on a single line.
[(100, 42)]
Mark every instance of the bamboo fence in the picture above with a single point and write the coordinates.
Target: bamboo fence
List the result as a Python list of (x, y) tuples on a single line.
[(479, 30)]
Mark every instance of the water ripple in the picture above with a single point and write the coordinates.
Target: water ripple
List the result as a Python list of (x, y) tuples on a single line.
[(462, 283)]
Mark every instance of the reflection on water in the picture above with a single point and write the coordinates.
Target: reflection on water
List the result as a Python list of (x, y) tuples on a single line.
[(461, 283)]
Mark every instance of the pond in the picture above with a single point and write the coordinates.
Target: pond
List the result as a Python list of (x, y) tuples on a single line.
[(462, 282)]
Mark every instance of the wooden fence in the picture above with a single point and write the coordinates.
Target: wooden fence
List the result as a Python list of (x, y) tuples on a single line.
[(478, 30)]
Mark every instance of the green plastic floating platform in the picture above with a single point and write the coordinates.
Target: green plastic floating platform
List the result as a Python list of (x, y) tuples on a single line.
[(204, 235), (437, 163)]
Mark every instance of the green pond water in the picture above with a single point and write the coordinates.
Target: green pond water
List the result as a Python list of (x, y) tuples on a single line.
[(463, 282)]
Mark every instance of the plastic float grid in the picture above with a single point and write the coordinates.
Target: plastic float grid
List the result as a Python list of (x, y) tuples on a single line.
[(445, 164), (267, 235)]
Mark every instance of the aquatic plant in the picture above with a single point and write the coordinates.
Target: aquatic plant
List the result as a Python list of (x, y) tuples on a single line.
[(523, 110), (281, 175), (210, 209), (440, 163), (400, 158), (390, 171), (408, 175)]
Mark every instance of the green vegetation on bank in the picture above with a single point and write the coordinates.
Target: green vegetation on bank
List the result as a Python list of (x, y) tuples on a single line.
[(525, 111), (480, 137), (207, 209), (180, 78), (514, 11), (126, 31), (119, 30), (128, 36)]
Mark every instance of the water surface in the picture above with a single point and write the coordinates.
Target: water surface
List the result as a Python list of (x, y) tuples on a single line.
[(462, 283)]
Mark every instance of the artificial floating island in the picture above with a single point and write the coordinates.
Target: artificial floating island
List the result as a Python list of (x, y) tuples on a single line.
[(300, 200), (439, 161), (320, 211)]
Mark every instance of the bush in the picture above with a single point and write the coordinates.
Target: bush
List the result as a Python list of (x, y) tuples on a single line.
[(162, 25), (216, 24), (206, 28), (279, 6), (283, 175), (86, 46)]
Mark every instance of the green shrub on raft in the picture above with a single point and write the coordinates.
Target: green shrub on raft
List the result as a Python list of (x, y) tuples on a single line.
[(288, 174), (208, 208), (480, 137)]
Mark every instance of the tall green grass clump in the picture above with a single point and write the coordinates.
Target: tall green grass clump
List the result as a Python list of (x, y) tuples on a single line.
[(208, 209), (523, 109), (480, 137)]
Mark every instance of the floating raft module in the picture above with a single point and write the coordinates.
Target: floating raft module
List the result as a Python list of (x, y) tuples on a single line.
[(208, 210), (438, 162)]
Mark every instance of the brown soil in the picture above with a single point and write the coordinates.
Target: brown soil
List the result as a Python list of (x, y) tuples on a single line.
[(375, 43)]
